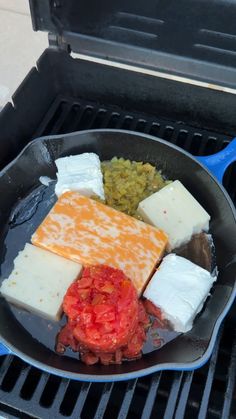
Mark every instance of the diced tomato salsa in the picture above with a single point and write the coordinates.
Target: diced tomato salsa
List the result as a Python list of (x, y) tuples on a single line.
[(106, 321), (151, 309)]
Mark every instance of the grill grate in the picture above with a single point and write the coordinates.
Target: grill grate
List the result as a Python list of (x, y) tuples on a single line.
[(204, 393), (209, 392), (67, 115)]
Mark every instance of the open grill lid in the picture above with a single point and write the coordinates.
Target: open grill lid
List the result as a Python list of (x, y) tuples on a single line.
[(194, 39)]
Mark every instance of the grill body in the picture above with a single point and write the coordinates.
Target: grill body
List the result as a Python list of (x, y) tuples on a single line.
[(63, 95)]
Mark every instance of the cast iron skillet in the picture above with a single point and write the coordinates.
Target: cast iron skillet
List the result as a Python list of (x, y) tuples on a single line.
[(21, 177)]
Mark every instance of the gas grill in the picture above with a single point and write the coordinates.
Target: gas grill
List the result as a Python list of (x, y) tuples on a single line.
[(181, 89)]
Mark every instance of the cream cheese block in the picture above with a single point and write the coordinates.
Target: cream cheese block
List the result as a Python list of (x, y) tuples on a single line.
[(174, 210), (179, 288), (39, 281), (81, 173)]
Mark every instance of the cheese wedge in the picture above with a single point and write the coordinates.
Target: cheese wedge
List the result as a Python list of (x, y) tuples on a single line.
[(39, 281), (88, 232)]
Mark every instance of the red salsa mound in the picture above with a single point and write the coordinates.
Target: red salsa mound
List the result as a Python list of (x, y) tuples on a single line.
[(106, 321), (151, 309)]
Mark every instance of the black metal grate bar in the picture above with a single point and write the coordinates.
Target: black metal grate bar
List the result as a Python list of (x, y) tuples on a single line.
[(60, 395), (210, 376), (106, 393), (229, 394), (58, 123), (150, 400), (205, 393), (172, 399), (124, 408), (4, 367), (40, 387), (21, 379), (7, 412), (187, 381), (82, 398)]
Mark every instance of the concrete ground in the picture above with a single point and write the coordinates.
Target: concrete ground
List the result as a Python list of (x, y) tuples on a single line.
[(20, 46)]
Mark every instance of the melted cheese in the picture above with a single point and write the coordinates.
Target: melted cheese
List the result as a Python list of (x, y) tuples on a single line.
[(89, 232)]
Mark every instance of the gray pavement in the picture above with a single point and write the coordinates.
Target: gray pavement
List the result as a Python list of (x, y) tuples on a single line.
[(20, 46)]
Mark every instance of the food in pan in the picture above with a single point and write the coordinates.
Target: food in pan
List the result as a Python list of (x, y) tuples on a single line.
[(80, 173), (106, 321), (117, 254), (127, 182), (39, 281), (179, 289), (90, 233), (175, 211)]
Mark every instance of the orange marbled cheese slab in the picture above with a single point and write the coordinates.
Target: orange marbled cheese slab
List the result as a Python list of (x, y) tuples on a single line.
[(88, 232)]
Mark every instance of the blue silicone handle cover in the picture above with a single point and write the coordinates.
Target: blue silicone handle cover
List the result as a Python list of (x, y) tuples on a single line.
[(218, 163), (4, 350)]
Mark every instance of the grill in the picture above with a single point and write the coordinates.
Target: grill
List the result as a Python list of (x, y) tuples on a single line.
[(209, 392), (64, 95)]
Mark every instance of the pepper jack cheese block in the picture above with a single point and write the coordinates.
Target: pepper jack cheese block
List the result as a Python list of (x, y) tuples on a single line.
[(81, 173), (39, 281), (90, 233), (176, 211), (179, 288)]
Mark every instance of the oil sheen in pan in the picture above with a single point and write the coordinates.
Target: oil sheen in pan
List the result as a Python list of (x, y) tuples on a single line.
[(24, 220)]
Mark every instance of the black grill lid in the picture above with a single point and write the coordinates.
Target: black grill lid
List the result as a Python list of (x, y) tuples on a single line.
[(187, 38)]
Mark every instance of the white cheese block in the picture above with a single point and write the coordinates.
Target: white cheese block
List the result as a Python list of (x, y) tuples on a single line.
[(39, 281), (179, 288), (81, 173), (174, 210)]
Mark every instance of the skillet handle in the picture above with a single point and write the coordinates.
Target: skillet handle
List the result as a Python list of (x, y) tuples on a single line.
[(4, 350), (218, 163)]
